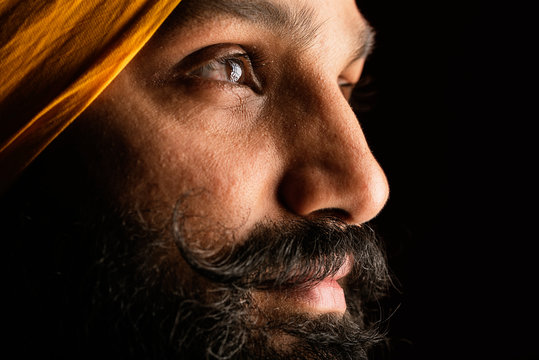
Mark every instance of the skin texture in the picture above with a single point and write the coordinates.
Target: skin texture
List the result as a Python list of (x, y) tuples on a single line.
[(295, 150), (283, 143), (229, 136)]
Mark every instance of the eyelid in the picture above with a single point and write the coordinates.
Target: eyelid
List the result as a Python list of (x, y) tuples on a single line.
[(347, 87), (220, 59), (345, 82), (197, 58)]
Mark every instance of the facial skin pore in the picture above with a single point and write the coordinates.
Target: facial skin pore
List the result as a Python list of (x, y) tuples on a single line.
[(279, 142), (293, 148), (239, 112)]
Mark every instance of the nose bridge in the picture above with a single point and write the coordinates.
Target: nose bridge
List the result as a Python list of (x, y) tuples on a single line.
[(331, 168)]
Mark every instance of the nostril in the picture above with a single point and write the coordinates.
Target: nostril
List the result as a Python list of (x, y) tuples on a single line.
[(336, 213)]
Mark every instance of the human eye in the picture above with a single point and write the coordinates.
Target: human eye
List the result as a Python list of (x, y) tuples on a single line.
[(231, 69), (224, 64), (347, 88)]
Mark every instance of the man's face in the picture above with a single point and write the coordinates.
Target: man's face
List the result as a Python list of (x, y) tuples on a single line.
[(234, 119)]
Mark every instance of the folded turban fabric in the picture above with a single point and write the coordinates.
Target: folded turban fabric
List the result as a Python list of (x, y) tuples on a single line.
[(56, 57)]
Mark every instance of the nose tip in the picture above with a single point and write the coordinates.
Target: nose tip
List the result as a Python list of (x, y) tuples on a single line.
[(370, 194), (355, 195)]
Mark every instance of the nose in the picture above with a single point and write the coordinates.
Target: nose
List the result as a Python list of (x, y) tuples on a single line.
[(330, 168)]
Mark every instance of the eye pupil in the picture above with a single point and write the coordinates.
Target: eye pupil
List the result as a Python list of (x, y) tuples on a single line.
[(236, 71)]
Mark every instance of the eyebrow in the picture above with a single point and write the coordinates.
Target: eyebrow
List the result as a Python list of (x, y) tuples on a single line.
[(297, 24), (365, 41)]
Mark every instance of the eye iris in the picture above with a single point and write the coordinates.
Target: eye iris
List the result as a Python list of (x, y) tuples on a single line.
[(235, 71)]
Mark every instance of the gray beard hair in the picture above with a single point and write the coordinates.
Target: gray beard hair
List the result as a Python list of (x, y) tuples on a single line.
[(110, 286), (158, 312)]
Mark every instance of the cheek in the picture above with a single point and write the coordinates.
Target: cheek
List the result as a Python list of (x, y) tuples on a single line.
[(221, 162), (225, 179)]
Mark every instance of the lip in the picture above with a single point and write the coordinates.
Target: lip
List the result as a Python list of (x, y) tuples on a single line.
[(327, 295)]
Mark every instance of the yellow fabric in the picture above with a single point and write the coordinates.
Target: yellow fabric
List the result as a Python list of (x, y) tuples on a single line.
[(56, 56)]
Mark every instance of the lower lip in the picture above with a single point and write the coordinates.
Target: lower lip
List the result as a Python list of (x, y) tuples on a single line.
[(326, 296)]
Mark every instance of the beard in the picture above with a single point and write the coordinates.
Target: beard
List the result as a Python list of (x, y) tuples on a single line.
[(162, 294), (124, 289)]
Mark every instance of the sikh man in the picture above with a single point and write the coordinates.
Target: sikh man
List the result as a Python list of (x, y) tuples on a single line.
[(207, 192)]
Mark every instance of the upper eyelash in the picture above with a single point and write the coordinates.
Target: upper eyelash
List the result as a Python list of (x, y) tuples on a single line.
[(223, 59), (255, 58)]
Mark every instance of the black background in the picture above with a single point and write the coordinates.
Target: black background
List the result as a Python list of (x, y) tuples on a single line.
[(451, 122)]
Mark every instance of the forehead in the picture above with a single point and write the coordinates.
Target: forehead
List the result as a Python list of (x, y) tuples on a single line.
[(301, 22)]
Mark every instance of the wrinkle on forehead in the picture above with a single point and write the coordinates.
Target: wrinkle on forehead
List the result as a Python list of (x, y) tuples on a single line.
[(299, 23)]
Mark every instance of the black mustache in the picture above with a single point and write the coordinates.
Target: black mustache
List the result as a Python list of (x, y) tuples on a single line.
[(288, 254)]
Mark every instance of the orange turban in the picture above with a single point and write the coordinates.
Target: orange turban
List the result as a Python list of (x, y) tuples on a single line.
[(56, 57)]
